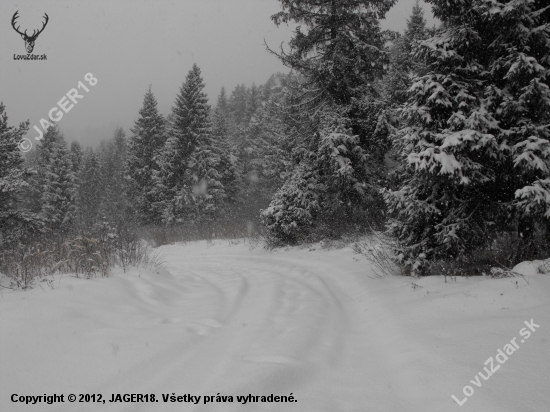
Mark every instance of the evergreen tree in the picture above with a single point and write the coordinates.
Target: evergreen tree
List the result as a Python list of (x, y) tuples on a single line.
[(76, 156), (187, 184), (238, 105), (270, 86), (476, 149), (191, 113), (261, 152), (15, 221), (293, 210), (403, 63), (144, 148), (115, 206), (40, 161), (229, 176), (90, 189), (253, 102), (59, 188), (222, 106), (277, 140), (221, 119), (46, 146), (416, 26), (340, 60), (204, 177), (341, 50), (246, 147), (331, 188)]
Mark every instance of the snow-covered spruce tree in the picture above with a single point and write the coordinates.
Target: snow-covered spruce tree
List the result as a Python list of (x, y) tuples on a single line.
[(238, 105), (76, 156), (90, 189), (341, 50), (222, 105), (403, 64), (254, 136), (115, 205), (476, 150), (38, 160), (188, 184), (271, 135), (45, 148), (331, 188), (145, 145), (294, 208), (246, 130), (59, 190), (339, 59), (272, 161), (271, 86), (229, 176), (15, 222), (253, 103), (204, 177), (247, 148)]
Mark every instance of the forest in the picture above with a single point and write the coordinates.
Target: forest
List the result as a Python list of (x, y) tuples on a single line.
[(434, 142)]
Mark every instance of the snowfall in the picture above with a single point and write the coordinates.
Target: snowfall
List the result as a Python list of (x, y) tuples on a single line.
[(315, 325)]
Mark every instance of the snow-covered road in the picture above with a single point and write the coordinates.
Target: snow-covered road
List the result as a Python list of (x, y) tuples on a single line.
[(314, 323)]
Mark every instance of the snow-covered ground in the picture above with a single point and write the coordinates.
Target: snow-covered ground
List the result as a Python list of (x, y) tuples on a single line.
[(311, 322)]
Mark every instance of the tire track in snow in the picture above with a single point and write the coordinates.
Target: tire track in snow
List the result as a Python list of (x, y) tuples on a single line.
[(242, 323)]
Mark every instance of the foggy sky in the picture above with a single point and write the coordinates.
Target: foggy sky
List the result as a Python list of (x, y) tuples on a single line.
[(129, 45)]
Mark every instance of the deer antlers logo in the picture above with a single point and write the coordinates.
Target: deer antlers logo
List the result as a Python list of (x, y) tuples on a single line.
[(29, 40)]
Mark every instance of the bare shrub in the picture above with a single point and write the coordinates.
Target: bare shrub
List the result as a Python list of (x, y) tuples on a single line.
[(379, 249), (90, 252)]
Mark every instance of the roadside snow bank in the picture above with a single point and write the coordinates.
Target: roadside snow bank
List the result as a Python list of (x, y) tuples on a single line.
[(534, 267)]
